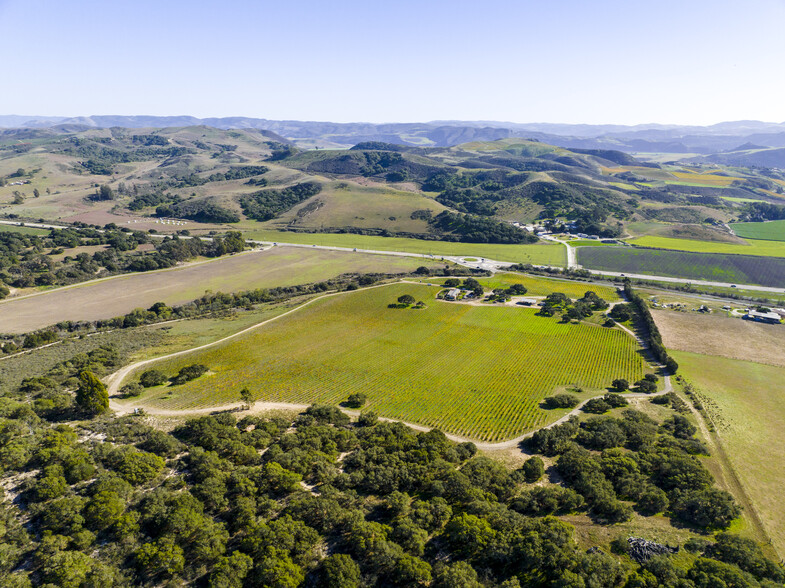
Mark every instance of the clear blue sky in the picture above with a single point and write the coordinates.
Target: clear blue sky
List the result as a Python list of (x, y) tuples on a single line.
[(631, 61)]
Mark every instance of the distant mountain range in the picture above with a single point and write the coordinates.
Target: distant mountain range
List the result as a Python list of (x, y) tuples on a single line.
[(647, 138)]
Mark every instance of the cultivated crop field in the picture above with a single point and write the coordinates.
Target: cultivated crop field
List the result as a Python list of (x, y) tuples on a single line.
[(279, 266), (539, 286), (700, 179), (768, 231), (475, 371), (745, 269), (541, 253), (744, 402), (755, 247), (23, 230)]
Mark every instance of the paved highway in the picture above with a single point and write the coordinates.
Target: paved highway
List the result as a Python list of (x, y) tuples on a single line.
[(480, 263)]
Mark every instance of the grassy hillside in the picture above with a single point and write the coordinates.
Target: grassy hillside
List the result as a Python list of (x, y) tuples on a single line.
[(215, 179)]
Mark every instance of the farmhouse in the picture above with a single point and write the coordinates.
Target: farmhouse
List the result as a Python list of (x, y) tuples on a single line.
[(452, 294), (763, 317), (527, 302)]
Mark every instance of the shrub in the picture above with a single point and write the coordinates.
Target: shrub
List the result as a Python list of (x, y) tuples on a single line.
[(367, 418), (652, 500), (646, 386), (546, 500), (621, 384), (533, 469), (710, 508), (152, 378), (615, 400), (596, 406), (188, 373), (356, 400), (561, 401), (132, 389)]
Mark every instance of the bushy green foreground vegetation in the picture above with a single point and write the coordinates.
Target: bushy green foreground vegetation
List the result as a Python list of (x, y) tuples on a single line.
[(475, 371), (233, 500)]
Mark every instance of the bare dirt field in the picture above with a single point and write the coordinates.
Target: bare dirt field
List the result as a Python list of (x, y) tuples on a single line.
[(722, 336), (279, 266)]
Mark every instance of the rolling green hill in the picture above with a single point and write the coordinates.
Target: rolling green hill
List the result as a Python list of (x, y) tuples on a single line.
[(211, 179)]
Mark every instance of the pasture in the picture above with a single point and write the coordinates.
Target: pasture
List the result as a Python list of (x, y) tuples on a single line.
[(475, 371), (743, 269), (279, 266), (756, 247), (768, 231), (744, 402), (540, 253), (23, 230), (720, 335)]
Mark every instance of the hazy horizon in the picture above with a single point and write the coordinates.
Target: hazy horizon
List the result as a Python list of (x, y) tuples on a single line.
[(32, 117), (609, 62)]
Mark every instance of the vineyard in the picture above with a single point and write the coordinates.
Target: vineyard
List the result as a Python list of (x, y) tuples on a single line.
[(475, 371), (744, 269), (539, 286)]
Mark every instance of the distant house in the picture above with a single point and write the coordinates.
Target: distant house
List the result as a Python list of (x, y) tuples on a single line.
[(779, 311), (452, 294), (763, 317), (527, 302)]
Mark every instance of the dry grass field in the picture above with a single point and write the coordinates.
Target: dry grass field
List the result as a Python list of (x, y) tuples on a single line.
[(722, 336), (712, 180), (279, 266), (744, 401)]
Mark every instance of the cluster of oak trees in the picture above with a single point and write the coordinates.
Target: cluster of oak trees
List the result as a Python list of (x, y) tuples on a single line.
[(234, 500)]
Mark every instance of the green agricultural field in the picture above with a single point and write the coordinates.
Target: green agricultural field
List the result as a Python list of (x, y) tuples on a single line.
[(768, 231), (742, 269), (741, 200), (745, 403), (763, 248), (279, 266), (589, 243), (475, 371), (539, 286), (23, 230), (541, 253)]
